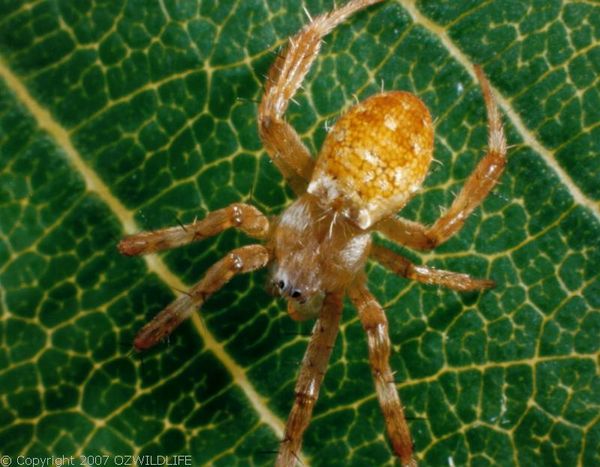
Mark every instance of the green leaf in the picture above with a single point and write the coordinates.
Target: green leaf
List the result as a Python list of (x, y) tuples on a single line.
[(125, 116)]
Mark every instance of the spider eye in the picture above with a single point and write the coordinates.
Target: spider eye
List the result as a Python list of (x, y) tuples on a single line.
[(296, 294), (281, 285)]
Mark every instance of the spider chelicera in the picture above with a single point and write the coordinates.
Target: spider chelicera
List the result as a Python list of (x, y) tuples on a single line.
[(372, 161)]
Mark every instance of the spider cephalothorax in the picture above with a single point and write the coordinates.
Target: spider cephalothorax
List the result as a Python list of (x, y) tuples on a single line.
[(315, 251), (372, 161)]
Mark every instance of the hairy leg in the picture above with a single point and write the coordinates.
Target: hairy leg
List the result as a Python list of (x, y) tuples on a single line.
[(375, 325), (477, 187), (244, 259), (243, 216), (428, 275), (406, 232), (311, 375), (285, 77)]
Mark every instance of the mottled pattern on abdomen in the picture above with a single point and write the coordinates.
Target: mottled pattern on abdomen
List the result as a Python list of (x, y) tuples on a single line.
[(375, 157)]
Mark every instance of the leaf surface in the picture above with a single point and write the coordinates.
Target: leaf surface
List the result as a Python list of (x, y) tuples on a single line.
[(124, 116)]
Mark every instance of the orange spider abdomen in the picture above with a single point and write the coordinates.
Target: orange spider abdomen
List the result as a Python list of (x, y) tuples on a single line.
[(375, 157)]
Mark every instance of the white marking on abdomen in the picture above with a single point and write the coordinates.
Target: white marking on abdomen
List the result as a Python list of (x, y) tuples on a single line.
[(390, 123)]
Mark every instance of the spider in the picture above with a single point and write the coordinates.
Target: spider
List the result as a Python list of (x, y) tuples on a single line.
[(372, 161)]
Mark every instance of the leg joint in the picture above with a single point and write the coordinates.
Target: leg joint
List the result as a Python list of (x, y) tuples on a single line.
[(305, 399)]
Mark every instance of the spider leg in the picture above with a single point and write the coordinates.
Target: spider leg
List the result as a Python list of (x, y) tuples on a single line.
[(426, 274), (240, 260), (484, 177), (479, 184), (406, 232), (283, 80), (375, 324), (314, 365), (243, 216)]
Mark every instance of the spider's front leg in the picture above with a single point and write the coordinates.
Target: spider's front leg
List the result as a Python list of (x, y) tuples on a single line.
[(477, 187), (245, 259), (314, 365), (241, 260), (243, 216), (283, 80), (375, 324)]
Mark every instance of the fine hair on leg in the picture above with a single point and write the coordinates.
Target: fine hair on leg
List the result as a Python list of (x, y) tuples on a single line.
[(284, 79), (374, 322), (242, 216), (312, 371), (241, 260), (428, 275)]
